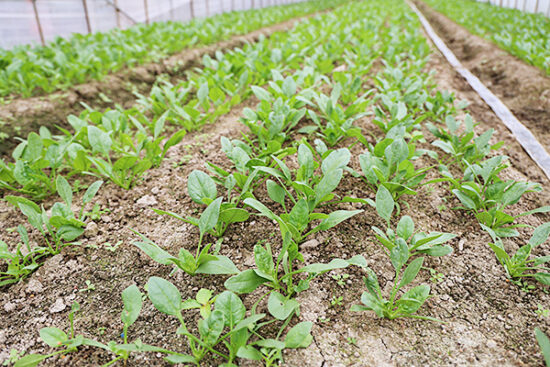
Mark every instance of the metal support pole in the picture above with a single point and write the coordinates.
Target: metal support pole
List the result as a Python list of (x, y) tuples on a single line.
[(117, 12), (87, 15), (232, 5), (171, 9), (537, 7), (38, 23), (146, 11), (207, 8), (524, 5), (192, 8)]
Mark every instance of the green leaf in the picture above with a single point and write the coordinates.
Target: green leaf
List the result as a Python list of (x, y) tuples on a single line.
[(154, 251), (405, 227), (305, 160), (372, 302), (131, 297), (264, 261), (164, 295), (337, 159), (30, 360), (544, 343), (384, 203), (319, 268), (34, 217), (280, 307), (399, 255), (91, 192), (412, 300), (211, 328), (234, 215), (299, 336), (299, 215), (202, 93), (244, 282), (52, 336), (99, 140), (289, 86), (253, 203), (465, 199), (232, 308), (64, 190), (209, 218), (275, 192), (251, 320), (411, 271), (261, 93), (249, 352), (222, 265), (34, 147), (501, 255), (200, 186), (543, 278), (540, 234), (180, 358), (337, 217), (68, 232), (328, 183)]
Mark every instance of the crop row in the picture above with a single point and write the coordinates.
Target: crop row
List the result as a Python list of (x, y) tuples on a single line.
[(315, 84), (30, 70), (522, 34)]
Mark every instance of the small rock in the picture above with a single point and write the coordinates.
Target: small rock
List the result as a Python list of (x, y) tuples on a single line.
[(58, 306), (491, 344), (34, 286), (147, 200), (310, 244), (91, 230), (461, 244), (155, 190), (2, 336), (9, 307)]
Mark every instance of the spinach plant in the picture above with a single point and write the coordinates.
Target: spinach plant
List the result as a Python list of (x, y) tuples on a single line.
[(203, 262), (487, 196), (390, 164), (62, 226), (311, 191), (202, 190), (459, 141), (339, 120), (401, 245), (20, 263), (280, 274), (520, 265)]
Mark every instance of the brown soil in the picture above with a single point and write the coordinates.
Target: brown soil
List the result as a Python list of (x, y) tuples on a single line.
[(524, 88), (21, 116), (488, 321)]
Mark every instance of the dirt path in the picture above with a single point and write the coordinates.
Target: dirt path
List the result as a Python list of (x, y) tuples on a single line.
[(525, 89), (21, 116)]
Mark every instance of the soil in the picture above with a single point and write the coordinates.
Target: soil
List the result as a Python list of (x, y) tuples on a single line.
[(18, 117), (488, 321), (524, 88)]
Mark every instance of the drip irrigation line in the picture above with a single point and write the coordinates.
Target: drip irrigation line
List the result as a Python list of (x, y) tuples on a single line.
[(522, 134)]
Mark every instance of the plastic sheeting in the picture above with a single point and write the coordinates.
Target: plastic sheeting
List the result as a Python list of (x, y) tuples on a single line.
[(19, 19), (532, 6)]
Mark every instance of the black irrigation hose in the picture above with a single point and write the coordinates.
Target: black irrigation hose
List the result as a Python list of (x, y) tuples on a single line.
[(522, 134)]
